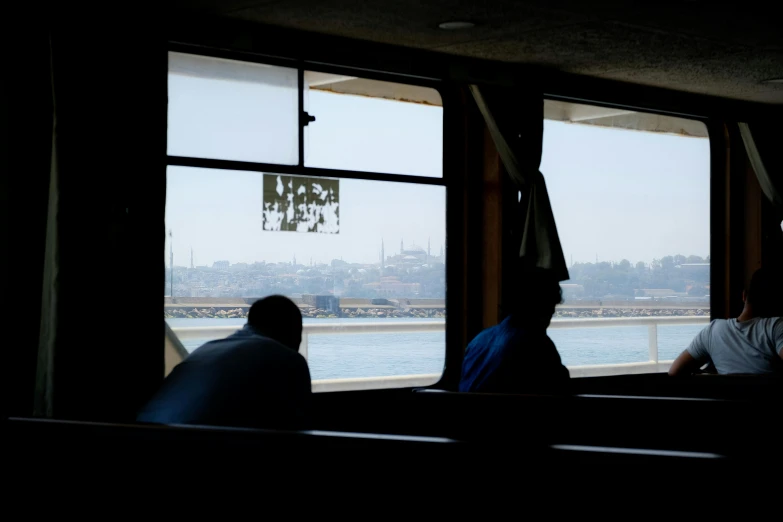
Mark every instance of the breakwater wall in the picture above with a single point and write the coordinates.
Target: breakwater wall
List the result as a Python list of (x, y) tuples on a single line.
[(238, 312), (313, 313)]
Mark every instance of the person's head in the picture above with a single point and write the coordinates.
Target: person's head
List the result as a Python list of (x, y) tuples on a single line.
[(535, 293), (278, 318), (765, 294)]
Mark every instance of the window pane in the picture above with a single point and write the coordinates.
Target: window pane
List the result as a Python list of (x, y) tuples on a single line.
[(631, 195), (363, 125), (224, 109), (372, 292)]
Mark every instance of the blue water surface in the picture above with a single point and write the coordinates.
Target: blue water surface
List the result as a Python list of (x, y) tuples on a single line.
[(385, 354)]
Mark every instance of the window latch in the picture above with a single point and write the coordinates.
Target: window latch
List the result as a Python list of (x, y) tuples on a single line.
[(308, 119)]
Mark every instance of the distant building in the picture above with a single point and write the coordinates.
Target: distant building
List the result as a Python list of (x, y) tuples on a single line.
[(329, 303), (393, 287), (691, 266), (698, 271), (572, 290), (661, 293), (413, 256), (221, 265)]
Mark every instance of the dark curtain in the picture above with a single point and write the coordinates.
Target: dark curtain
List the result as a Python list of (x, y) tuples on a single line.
[(99, 197), (515, 118), (25, 134), (762, 144)]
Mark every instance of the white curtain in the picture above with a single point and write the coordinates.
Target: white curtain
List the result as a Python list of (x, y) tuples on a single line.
[(539, 243), (771, 182)]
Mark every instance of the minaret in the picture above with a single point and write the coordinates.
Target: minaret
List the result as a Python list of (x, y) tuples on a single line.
[(428, 251), (294, 265), (383, 258), (191, 258), (401, 248)]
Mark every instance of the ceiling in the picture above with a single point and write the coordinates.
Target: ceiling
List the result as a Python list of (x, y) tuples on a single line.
[(692, 46)]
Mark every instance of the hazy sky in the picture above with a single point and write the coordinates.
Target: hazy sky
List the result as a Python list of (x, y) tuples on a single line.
[(615, 193), (627, 194)]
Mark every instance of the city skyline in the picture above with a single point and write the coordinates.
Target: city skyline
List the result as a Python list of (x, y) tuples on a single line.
[(414, 273), (310, 261), (193, 260)]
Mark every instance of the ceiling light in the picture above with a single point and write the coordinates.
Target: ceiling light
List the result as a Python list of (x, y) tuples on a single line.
[(453, 26), (773, 80)]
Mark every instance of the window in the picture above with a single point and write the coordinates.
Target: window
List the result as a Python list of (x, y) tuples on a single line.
[(346, 217), (631, 195), (347, 122), (224, 109)]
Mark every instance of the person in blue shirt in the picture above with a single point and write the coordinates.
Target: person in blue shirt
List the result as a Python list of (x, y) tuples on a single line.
[(255, 378), (517, 355)]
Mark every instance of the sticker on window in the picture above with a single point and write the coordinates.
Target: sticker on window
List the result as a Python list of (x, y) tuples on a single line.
[(300, 204)]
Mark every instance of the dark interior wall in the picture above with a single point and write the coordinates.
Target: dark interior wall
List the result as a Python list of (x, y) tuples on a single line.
[(720, 158), (772, 235), (493, 192), (771, 216), (109, 78), (110, 98), (25, 131), (746, 234), (472, 225)]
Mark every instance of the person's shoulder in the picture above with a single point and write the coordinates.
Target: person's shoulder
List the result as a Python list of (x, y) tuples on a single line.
[(486, 337), (771, 323), (238, 338), (484, 334), (506, 327), (299, 363), (243, 344), (295, 358), (718, 324), (216, 345), (720, 328), (277, 350)]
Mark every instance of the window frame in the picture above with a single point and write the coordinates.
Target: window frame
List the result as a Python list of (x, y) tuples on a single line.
[(450, 177), (300, 169), (717, 191), (717, 188)]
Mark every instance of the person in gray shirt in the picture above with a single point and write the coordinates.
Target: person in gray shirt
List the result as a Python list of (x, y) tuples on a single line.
[(750, 344)]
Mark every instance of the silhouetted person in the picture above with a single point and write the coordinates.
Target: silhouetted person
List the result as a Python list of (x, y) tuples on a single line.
[(254, 378), (517, 356), (750, 344)]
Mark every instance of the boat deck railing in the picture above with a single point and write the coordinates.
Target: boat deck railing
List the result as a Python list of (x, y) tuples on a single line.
[(176, 351)]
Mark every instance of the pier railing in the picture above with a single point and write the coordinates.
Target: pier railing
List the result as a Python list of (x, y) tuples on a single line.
[(175, 351)]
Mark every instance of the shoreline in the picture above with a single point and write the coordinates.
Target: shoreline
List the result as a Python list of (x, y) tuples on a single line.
[(611, 312), (313, 313), (434, 313)]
